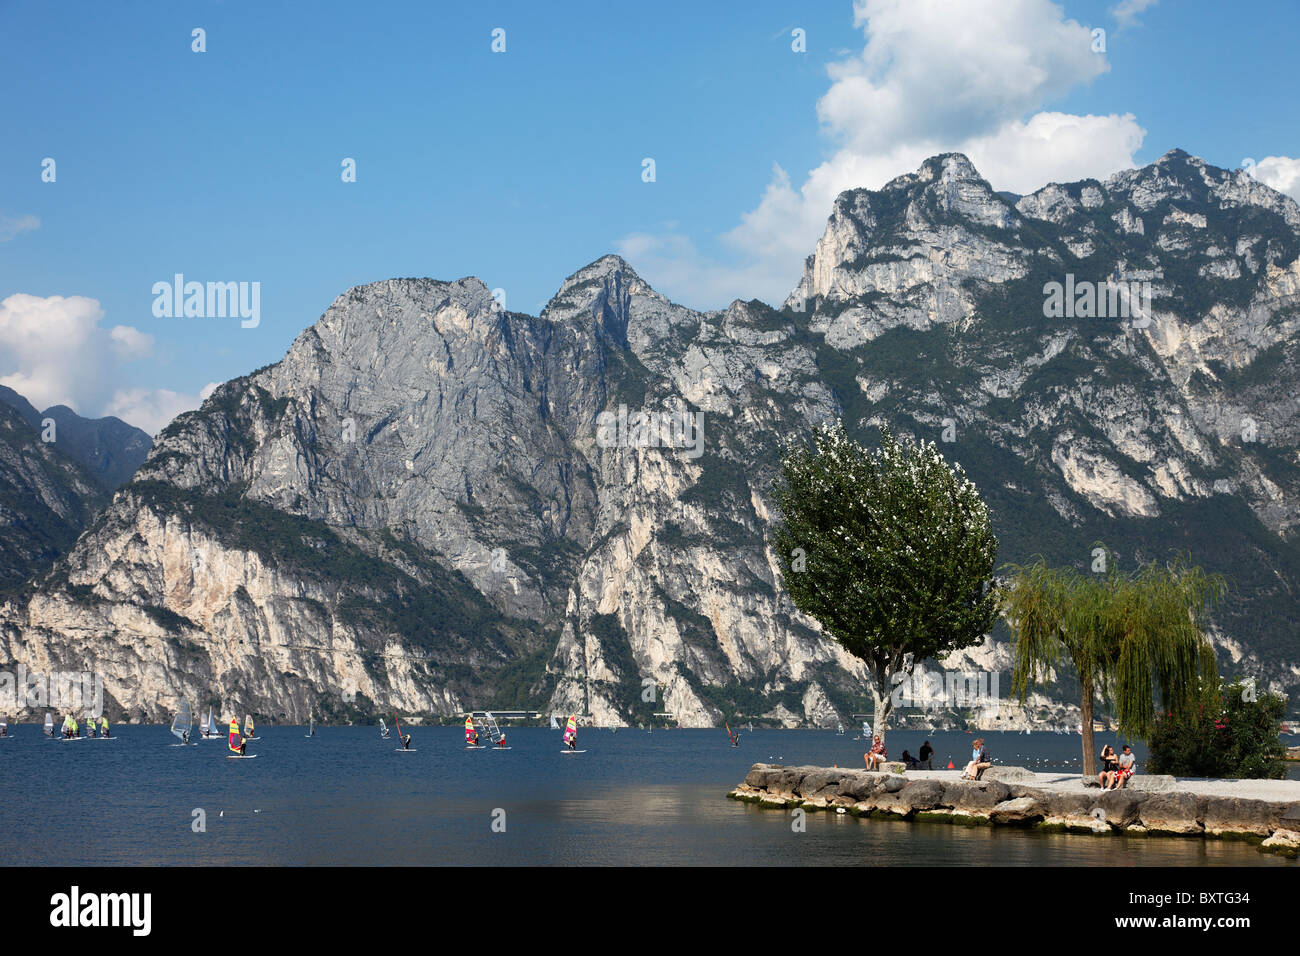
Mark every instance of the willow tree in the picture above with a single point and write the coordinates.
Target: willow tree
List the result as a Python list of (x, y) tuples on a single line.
[(1131, 637), (889, 550)]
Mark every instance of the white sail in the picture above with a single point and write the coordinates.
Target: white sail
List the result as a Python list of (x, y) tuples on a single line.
[(383, 728), (554, 724), (49, 725), (183, 720)]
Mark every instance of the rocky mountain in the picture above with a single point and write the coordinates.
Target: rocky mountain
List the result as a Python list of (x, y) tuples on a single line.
[(46, 499), (109, 448), (432, 504)]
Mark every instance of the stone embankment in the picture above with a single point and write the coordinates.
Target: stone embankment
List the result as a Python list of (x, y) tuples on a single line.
[(1266, 812)]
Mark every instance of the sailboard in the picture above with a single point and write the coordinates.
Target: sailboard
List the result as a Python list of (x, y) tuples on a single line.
[(471, 735), (554, 723), (494, 732), (400, 736), (751, 726), (571, 735), (735, 739), (573, 751), (4, 729), (241, 756), (383, 729), (248, 728), (182, 723), (311, 726), (208, 729), (49, 725)]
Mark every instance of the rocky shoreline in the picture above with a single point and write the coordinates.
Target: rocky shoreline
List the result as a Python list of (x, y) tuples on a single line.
[(1266, 813)]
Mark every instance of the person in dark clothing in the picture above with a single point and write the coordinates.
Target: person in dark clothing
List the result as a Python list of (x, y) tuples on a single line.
[(926, 756), (910, 762)]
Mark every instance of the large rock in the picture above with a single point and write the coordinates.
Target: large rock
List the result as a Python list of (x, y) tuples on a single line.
[(822, 783), (1120, 806), (975, 795), (761, 774), (861, 784), (1238, 815), (1020, 810), (924, 794), (1171, 813), (1151, 782), (1008, 775)]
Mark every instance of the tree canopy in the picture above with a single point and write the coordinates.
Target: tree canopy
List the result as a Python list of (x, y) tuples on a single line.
[(890, 550)]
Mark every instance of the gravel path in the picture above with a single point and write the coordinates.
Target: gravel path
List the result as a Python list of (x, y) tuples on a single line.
[(1282, 791)]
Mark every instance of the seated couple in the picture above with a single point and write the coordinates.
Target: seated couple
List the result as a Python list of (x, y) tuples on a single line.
[(1115, 771)]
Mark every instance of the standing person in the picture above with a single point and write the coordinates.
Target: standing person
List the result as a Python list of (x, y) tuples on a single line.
[(237, 742), (471, 735), (875, 757), (926, 756), (406, 741), (571, 732), (1124, 768)]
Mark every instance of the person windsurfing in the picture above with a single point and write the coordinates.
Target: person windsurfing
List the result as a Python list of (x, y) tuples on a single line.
[(571, 733), (471, 734), (735, 741), (404, 737), (103, 725), (237, 742), (69, 726)]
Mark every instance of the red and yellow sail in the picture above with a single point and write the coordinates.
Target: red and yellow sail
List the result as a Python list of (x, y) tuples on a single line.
[(236, 741), (571, 731), (471, 736)]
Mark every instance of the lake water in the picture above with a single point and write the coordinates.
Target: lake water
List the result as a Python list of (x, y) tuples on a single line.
[(345, 797)]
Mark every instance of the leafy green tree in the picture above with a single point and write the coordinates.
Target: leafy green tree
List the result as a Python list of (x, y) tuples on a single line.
[(891, 551), (1227, 732), (1127, 635)]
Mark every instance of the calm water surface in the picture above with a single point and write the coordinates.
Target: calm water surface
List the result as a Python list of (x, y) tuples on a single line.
[(345, 797)]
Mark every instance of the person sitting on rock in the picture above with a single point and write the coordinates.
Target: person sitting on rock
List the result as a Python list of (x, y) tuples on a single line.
[(875, 757), (1125, 769), (910, 762), (926, 756), (979, 761), (1109, 765)]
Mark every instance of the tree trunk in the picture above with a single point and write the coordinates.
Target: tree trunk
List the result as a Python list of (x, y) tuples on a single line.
[(1085, 719), (884, 707)]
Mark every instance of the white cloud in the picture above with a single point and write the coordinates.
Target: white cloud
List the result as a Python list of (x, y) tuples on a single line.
[(152, 409), (14, 226), (933, 77), (1280, 172), (53, 351), (1126, 12)]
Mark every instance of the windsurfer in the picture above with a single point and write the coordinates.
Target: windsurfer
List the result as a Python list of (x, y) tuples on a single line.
[(406, 741), (237, 742)]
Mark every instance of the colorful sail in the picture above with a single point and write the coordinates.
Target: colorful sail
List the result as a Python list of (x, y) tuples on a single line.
[(236, 739), (103, 726), (571, 732), (734, 738), (471, 735)]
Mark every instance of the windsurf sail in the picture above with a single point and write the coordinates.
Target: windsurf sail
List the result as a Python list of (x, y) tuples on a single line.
[(734, 739), (471, 735), (555, 725), (248, 725), (571, 732), (383, 728), (4, 727), (494, 731), (182, 722), (311, 725), (49, 725), (839, 728), (210, 727), (235, 740)]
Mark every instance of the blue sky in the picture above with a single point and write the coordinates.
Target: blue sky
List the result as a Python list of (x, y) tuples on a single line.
[(521, 167)]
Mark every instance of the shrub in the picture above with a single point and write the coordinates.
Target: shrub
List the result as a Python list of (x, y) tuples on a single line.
[(1221, 734)]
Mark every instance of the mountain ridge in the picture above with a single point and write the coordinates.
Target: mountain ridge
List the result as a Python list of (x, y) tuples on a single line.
[(413, 509)]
